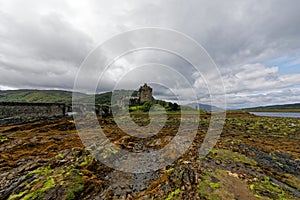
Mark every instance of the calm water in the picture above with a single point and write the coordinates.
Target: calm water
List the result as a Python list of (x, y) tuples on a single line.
[(277, 114)]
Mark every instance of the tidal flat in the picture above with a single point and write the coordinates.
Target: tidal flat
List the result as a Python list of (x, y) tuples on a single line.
[(254, 158)]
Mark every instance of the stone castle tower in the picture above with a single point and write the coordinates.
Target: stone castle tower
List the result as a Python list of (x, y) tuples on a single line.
[(145, 93)]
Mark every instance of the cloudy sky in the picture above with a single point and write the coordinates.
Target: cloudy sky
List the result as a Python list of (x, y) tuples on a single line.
[(255, 44)]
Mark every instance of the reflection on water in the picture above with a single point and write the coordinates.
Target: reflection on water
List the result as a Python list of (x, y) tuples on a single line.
[(277, 114)]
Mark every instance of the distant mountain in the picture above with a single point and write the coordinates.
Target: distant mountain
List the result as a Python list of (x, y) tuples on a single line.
[(295, 106), (205, 107)]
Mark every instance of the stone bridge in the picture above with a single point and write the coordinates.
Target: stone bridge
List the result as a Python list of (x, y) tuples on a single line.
[(100, 110)]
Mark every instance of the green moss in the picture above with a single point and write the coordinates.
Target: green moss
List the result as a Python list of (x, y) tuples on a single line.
[(270, 126), (50, 183), (108, 151), (3, 138), (206, 174), (202, 188), (214, 185), (84, 163), (292, 181), (266, 179), (41, 171), (59, 156), (223, 154), (172, 194), (169, 170), (205, 185), (279, 164), (29, 186), (76, 185), (282, 196), (17, 196), (233, 142), (39, 193), (267, 188), (67, 177), (36, 188), (273, 188)]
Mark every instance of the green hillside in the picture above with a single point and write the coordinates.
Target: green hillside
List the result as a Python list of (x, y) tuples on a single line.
[(57, 96), (285, 107), (34, 96)]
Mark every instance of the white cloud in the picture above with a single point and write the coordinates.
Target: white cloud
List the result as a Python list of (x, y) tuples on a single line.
[(258, 77), (273, 97)]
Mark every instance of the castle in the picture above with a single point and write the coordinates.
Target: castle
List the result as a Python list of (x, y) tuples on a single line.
[(144, 95)]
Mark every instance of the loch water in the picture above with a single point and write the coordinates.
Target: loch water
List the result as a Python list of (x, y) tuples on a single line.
[(277, 114)]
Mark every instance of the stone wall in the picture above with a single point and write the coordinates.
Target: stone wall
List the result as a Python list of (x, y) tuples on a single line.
[(14, 109), (17, 109)]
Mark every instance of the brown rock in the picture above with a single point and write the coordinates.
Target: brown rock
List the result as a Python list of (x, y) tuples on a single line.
[(251, 153), (218, 162)]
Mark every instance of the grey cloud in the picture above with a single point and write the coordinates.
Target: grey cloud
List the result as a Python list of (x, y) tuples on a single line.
[(233, 32), (47, 37), (40, 52), (43, 44)]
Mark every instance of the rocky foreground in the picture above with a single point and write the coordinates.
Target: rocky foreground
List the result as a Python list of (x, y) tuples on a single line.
[(255, 158)]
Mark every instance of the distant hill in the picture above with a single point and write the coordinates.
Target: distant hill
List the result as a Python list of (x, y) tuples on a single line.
[(105, 98), (205, 107), (36, 96), (295, 106), (57, 96)]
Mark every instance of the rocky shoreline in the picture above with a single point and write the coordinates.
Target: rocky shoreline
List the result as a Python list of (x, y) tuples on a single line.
[(255, 158)]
